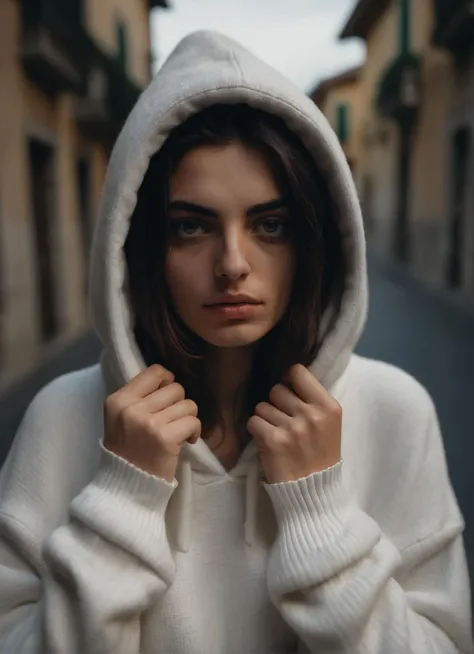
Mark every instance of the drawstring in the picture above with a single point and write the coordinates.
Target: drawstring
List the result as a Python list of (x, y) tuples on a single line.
[(252, 484), (184, 502), (184, 505)]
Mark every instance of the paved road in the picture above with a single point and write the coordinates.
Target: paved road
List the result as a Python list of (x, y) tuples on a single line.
[(414, 329)]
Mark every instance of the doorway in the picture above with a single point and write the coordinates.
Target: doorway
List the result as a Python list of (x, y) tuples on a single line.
[(41, 159), (459, 185)]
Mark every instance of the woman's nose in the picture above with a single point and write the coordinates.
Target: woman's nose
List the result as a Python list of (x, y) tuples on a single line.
[(232, 260)]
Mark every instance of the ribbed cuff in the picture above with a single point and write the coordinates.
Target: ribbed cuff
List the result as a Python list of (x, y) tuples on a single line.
[(321, 530), (312, 510), (125, 505), (115, 473)]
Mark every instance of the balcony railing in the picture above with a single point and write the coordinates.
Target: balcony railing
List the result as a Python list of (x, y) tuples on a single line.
[(399, 93), (454, 24), (59, 54)]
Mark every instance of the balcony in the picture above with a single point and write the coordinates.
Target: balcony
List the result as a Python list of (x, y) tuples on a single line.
[(399, 94), (109, 97), (454, 25), (45, 53)]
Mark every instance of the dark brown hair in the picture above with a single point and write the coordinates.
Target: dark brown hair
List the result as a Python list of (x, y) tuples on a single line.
[(320, 266)]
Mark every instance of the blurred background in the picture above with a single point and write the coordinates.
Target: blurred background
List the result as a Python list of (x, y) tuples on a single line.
[(395, 78)]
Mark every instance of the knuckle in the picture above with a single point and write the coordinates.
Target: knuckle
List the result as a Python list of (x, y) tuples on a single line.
[(260, 407), (192, 407), (252, 420), (149, 425), (298, 427), (335, 408), (113, 403), (178, 388), (160, 372), (313, 417), (274, 392), (252, 423), (279, 439)]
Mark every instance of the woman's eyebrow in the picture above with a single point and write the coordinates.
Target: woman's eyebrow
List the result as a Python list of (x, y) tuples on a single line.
[(272, 205), (192, 207)]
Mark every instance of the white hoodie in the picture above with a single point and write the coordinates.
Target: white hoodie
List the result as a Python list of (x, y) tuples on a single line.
[(98, 557)]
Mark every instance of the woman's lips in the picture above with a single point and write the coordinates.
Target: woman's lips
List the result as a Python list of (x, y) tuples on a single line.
[(235, 311)]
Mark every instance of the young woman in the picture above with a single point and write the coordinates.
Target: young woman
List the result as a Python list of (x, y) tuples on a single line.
[(231, 478)]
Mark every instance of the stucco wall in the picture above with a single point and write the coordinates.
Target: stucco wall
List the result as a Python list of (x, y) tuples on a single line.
[(26, 113), (377, 172)]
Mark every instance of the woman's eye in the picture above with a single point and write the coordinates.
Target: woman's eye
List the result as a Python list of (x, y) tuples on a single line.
[(186, 228), (273, 227)]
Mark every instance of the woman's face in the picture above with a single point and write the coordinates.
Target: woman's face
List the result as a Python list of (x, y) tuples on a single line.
[(229, 236)]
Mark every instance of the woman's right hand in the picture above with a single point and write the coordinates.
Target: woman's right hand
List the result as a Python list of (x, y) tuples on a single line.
[(148, 420)]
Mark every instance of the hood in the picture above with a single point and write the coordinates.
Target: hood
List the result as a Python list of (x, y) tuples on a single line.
[(207, 68)]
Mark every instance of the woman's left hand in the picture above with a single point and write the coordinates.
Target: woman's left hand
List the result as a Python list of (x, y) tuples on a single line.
[(298, 432)]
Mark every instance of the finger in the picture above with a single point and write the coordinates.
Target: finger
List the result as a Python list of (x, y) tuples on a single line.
[(184, 429), (177, 411), (260, 429), (149, 380), (272, 415), (163, 398), (285, 400), (305, 385)]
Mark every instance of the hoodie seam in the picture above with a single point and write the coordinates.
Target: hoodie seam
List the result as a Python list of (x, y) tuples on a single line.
[(238, 66)]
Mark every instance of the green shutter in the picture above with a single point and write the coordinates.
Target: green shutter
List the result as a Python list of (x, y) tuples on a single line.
[(404, 26), (122, 45), (342, 122)]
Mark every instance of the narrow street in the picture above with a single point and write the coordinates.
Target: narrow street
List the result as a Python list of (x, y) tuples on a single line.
[(417, 330)]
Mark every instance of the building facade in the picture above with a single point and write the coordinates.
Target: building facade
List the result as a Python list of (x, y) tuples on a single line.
[(339, 99), (70, 71), (414, 105)]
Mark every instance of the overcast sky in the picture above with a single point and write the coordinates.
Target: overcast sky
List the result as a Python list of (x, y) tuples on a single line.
[(298, 37)]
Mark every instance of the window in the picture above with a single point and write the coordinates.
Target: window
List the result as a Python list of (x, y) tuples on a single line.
[(43, 195), (122, 44), (342, 122)]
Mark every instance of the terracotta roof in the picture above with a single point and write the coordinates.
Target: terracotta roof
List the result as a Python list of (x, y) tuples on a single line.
[(363, 17), (347, 76)]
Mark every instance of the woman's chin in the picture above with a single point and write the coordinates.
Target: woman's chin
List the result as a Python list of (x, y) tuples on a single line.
[(235, 335)]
